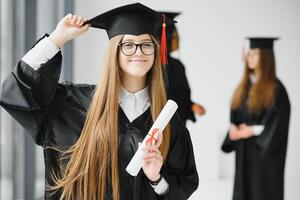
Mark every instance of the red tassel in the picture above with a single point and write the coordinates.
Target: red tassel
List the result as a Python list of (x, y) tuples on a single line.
[(163, 43)]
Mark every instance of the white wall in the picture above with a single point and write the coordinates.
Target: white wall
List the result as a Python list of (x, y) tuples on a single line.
[(212, 33)]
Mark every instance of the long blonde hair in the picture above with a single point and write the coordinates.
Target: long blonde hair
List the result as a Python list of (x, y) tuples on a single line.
[(261, 94), (94, 157)]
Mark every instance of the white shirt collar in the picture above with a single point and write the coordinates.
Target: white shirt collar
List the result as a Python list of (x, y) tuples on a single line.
[(134, 104), (142, 95)]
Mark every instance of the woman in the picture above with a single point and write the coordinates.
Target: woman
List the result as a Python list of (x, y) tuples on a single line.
[(178, 87), (260, 113), (89, 134)]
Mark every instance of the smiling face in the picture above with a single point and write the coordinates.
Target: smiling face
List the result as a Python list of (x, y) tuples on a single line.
[(138, 64)]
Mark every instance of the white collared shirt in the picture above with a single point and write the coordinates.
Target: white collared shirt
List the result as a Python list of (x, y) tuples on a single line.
[(134, 104)]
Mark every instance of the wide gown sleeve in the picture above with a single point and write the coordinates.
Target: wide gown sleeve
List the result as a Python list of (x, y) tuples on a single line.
[(26, 93), (276, 123), (229, 145)]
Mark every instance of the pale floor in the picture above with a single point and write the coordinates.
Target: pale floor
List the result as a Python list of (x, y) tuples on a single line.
[(207, 190)]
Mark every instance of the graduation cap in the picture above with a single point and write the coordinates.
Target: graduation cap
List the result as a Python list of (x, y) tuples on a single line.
[(134, 19), (262, 42), (170, 29), (170, 15)]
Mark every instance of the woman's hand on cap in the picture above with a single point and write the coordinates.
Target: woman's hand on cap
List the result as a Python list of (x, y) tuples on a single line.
[(69, 27)]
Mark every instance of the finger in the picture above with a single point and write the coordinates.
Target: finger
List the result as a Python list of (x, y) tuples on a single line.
[(152, 148), (148, 149), (243, 125), (242, 133), (154, 152), (79, 21), (74, 19), (151, 155), (232, 126), (68, 17), (82, 22), (154, 159), (86, 27)]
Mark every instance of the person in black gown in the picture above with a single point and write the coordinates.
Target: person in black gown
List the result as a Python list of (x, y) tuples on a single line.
[(178, 87), (258, 135), (90, 133)]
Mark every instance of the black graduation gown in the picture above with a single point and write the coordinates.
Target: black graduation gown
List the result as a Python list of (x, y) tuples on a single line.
[(260, 160), (54, 114), (178, 88)]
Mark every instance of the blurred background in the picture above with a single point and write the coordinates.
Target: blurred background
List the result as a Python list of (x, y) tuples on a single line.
[(211, 32)]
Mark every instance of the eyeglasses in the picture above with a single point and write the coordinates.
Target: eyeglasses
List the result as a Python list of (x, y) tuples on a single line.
[(130, 48)]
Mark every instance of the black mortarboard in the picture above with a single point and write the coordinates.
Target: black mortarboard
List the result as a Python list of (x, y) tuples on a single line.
[(170, 15), (135, 19), (262, 42)]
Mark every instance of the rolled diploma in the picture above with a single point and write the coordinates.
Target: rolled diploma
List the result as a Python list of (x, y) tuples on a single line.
[(159, 125)]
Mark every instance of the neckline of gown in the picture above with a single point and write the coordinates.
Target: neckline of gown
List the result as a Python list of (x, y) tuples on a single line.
[(142, 116)]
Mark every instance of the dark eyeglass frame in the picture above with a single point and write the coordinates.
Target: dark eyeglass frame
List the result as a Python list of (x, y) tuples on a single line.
[(136, 46)]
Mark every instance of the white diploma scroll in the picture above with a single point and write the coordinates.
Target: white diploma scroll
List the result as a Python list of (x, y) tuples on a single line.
[(159, 125)]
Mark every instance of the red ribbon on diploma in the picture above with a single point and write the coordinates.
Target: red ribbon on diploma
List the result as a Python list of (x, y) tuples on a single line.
[(152, 137)]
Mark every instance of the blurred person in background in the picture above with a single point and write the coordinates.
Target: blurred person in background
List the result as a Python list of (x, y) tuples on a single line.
[(260, 113)]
